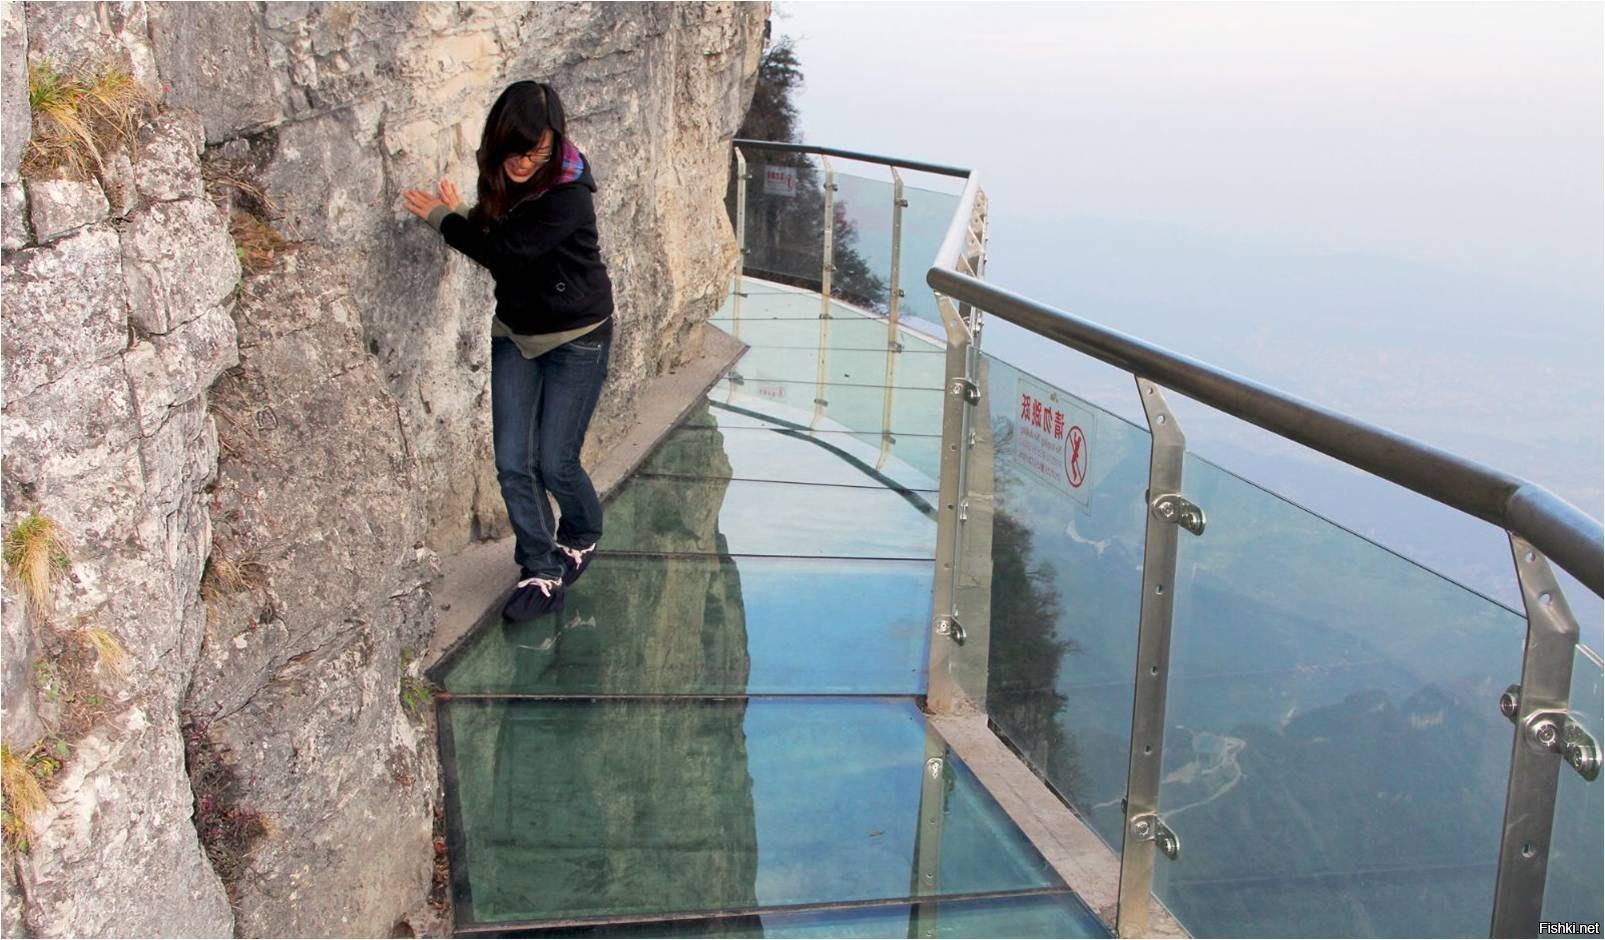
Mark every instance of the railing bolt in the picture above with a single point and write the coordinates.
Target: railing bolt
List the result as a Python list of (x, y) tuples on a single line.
[(1510, 701), (1168, 844), (1546, 733), (1142, 827)]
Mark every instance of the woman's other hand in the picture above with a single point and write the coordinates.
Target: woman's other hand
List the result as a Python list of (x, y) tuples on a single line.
[(449, 196), (420, 203)]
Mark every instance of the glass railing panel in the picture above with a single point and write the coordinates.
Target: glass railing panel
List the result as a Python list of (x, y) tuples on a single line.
[(580, 808), (740, 517), (1572, 893), (785, 224), (1066, 578), (1334, 758), (861, 242), (1030, 916), (701, 625), (925, 222)]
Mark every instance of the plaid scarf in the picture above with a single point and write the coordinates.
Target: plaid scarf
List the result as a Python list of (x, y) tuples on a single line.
[(573, 166)]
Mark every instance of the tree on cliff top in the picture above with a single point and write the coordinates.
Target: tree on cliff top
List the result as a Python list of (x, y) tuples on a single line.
[(785, 234), (773, 115)]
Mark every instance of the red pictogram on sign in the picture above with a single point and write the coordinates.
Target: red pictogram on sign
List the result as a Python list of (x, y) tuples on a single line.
[(1075, 456)]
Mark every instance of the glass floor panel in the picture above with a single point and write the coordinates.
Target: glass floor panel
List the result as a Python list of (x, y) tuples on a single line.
[(702, 625), (783, 455), (741, 517), (572, 809), (1029, 916), (910, 368), (719, 734), (923, 452), (856, 408), (768, 300), (843, 331)]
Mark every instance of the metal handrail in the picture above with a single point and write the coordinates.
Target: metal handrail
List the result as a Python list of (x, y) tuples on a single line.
[(1555, 527), (852, 155), (1564, 533)]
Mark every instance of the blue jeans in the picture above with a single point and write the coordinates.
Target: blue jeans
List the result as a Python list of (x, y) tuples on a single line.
[(539, 411)]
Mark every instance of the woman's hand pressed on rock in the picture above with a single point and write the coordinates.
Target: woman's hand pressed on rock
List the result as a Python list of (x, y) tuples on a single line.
[(420, 203)]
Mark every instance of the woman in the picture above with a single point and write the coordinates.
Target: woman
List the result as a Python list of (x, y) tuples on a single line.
[(534, 228)]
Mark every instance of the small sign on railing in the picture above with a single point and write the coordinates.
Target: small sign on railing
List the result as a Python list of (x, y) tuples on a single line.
[(780, 180), (1053, 439)]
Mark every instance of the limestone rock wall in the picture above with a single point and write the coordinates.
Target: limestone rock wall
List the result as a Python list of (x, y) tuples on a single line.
[(340, 107), (309, 437), (115, 322)]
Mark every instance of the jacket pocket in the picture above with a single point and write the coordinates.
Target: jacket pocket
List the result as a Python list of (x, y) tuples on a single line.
[(562, 291)]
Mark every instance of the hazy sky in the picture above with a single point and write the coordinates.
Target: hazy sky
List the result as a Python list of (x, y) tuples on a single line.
[(1392, 209), (1466, 134)]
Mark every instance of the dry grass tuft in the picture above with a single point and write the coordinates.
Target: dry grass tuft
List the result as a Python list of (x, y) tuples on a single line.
[(24, 797), (258, 244), (35, 556), (78, 118), (108, 649)]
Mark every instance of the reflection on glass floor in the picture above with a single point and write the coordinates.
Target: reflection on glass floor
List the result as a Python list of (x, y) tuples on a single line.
[(720, 734)]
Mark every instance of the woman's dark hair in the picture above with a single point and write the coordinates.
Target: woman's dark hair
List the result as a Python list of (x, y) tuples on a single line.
[(522, 112)]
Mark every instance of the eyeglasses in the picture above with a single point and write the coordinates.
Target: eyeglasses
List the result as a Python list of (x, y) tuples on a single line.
[(531, 157)]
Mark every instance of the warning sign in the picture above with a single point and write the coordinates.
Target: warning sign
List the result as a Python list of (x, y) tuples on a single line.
[(1053, 439), (780, 181), (1075, 457)]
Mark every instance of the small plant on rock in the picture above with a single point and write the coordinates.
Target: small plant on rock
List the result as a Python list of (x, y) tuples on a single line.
[(108, 650), (228, 829), (78, 118), (415, 692), (24, 797), (36, 556)]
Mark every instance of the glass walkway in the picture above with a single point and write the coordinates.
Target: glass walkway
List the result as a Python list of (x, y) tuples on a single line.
[(721, 734), (869, 530)]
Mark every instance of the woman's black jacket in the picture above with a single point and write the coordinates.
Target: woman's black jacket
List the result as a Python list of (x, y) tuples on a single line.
[(544, 256)]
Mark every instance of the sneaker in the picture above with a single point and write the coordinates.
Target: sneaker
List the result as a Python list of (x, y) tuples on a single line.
[(534, 598), (575, 561)]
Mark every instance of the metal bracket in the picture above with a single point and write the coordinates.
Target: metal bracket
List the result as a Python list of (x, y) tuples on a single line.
[(1558, 732), (950, 627), (1540, 706), (1173, 507), (966, 389), (1149, 827)]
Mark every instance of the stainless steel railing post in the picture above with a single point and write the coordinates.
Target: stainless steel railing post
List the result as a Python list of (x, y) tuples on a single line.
[(741, 241), (1145, 832), (827, 265), (1546, 737), (894, 305), (951, 660)]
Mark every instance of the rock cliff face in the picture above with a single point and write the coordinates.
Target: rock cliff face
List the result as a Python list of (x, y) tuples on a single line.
[(256, 469)]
